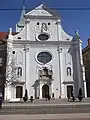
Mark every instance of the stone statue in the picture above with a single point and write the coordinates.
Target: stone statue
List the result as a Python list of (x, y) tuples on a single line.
[(43, 27), (19, 71), (68, 71), (77, 34)]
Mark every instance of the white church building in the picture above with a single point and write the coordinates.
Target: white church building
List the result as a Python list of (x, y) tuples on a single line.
[(43, 58)]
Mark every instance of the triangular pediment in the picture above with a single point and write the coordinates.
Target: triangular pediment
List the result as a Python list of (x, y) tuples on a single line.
[(42, 10)]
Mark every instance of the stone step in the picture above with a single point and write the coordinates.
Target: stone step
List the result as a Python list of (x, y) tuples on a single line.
[(75, 116), (46, 109)]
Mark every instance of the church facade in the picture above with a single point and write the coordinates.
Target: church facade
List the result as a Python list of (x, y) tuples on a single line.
[(43, 58)]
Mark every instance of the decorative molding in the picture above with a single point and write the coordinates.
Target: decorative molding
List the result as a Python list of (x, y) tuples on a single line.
[(68, 82), (19, 57), (41, 17), (44, 42)]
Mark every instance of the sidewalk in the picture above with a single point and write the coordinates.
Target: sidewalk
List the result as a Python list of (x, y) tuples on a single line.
[(56, 102), (75, 116), (57, 106)]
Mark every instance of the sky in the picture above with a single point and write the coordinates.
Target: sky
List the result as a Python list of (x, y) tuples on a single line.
[(75, 14)]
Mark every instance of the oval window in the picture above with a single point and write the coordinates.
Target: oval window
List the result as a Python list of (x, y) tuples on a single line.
[(44, 57), (43, 37)]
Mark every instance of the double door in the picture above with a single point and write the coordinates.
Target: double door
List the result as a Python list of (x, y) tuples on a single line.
[(19, 91)]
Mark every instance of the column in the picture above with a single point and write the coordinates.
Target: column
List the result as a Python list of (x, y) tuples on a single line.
[(52, 87), (60, 59), (59, 27), (78, 68), (27, 77), (62, 74), (83, 81), (40, 90)]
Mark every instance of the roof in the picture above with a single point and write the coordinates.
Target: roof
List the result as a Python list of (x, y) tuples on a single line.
[(4, 35), (21, 22), (51, 11), (38, 11), (86, 49)]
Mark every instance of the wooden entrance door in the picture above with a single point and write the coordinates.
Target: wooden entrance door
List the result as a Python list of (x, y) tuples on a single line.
[(19, 91), (45, 91), (69, 90)]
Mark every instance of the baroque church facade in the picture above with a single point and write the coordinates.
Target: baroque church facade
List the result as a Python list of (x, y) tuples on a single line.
[(43, 58)]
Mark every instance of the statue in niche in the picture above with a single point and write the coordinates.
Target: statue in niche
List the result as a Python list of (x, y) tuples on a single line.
[(43, 27), (19, 72), (68, 71)]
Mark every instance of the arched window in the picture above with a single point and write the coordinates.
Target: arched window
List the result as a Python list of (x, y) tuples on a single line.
[(68, 71), (19, 71)]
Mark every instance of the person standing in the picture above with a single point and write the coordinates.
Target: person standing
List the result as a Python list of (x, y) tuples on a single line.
[(72, 95), (1, 99)]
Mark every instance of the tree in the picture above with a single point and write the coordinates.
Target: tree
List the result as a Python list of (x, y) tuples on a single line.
[(25, 98), (11, 69)]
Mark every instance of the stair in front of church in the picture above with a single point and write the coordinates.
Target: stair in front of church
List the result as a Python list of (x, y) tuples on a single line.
[(28, 108)]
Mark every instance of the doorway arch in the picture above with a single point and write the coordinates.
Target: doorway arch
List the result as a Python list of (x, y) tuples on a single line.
[(19, 91), (69, 90), (45, 90)]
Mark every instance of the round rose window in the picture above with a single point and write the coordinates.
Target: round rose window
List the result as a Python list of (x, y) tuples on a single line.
[(44, 57)]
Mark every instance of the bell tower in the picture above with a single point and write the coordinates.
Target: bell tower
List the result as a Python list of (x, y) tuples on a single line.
[(20, 25)]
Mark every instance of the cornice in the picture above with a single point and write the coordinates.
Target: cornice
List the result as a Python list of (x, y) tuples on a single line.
[(44, 42), (41, 17)]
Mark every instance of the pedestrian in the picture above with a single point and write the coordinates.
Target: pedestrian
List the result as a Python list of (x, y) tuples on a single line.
[(46, 96), (49, 97), (68, 96), (72, 95), (1, 99)]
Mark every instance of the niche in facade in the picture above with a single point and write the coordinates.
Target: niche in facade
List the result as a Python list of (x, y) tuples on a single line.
[(19, 73), (68, 71)]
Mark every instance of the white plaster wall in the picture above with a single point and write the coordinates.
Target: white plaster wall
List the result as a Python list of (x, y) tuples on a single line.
[(19, 49), (56, 32), (21, 34), (33, 66), (67, 62), (33, 29), (55, 63), (20, 62)]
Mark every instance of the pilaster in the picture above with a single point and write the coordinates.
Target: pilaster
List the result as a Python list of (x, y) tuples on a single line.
[(40, 90)]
